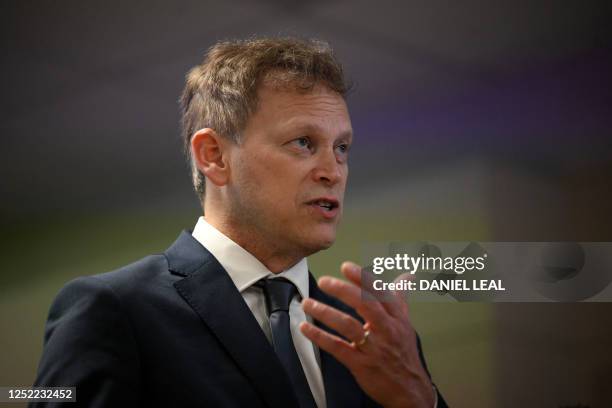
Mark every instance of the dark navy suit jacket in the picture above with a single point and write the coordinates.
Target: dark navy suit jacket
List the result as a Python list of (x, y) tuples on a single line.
[(173, 330)]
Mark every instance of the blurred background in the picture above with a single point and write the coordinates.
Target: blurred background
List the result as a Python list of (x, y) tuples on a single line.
[(478, 120)]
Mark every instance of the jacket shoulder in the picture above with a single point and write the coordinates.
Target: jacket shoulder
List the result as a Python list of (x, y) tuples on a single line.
[(89, 343), (134, 274)]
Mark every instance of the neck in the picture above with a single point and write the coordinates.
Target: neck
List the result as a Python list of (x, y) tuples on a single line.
[(273, 257)]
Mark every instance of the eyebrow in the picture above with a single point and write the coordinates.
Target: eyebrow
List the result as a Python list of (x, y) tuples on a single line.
[(309, 128)]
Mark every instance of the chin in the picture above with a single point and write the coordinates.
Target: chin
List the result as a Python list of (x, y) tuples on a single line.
[(313, 240), (326, 244), (322, 241)]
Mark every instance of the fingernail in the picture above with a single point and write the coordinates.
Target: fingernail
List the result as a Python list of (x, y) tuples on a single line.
[(352, 267), (323, 280)]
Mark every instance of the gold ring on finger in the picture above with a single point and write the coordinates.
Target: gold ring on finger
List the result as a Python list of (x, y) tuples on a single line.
[(363, 340)]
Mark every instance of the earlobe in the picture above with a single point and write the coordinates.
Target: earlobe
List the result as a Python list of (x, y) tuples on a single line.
[(208, 150)]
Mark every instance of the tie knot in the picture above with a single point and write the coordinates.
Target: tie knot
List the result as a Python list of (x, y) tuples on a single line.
[(279, 293)]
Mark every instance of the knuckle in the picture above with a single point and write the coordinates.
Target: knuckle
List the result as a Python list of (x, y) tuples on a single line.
[(316, 333), (346, 320)]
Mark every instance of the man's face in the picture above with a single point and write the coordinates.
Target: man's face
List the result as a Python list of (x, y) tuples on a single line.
[(288, 175)]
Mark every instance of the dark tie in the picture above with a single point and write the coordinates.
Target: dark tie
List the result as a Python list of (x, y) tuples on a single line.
[(279, 293)]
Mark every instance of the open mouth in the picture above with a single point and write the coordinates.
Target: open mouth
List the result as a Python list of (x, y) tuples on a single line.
[(325, 204)]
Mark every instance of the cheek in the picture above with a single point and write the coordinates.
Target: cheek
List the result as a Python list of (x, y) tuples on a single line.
[(272, 182), (268, 183)]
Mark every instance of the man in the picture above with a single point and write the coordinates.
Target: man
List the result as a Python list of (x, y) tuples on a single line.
[(217, 319)]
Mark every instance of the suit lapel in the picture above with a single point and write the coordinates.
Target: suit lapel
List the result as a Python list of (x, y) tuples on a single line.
[(209, 290), (341, 389)]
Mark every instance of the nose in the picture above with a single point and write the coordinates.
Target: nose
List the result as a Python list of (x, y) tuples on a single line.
[(328, 169)]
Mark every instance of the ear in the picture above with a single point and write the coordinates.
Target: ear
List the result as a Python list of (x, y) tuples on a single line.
[(210, 153)]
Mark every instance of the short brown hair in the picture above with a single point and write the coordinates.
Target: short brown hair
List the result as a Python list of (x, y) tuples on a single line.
[(221, 92)]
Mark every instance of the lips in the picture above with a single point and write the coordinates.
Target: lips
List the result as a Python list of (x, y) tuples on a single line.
[(326, 206), (325, 202)]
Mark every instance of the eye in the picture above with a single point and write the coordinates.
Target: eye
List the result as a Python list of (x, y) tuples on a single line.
[(343, 148), (342, 151), (302, 143)]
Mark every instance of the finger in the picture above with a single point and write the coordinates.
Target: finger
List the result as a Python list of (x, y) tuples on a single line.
[(391, 301), (364, 280), (334, 345), (350, 294), (344, 324)]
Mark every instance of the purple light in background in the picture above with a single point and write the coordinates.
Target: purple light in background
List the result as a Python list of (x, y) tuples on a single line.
[(568, 101)]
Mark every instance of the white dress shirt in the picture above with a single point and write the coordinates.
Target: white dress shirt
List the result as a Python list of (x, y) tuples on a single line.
[(244, 270)]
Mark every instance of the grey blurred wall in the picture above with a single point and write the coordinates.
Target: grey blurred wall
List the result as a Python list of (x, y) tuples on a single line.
[(476, 120)]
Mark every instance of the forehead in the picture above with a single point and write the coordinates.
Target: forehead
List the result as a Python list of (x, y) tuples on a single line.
[(290, 107)]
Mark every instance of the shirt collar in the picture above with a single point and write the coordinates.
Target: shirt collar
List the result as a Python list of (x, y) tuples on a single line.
[(242, 267)]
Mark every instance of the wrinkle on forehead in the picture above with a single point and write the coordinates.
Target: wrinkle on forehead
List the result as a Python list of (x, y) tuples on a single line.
[(291, 109), (310, 112), (319, 98), (318, 93)]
